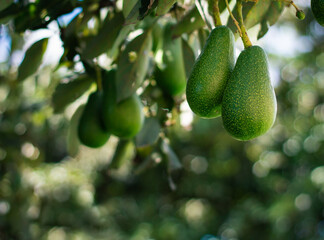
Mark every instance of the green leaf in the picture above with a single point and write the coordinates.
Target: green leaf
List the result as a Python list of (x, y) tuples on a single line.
[(133, 65), (274, 12), (5, 3), (128, 5), (8, 12), (263, 30), (72, 138), (66, 93), (140, 10), (253, 13), (188, 57), (271, 17), (32, 60), (191, 21), (173, 160), (149, 134), (114, 50), (105, 38), (164, 6)]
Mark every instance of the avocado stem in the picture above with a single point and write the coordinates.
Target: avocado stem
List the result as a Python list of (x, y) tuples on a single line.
[(233, 18), (245, 38), (216, 14), (295, 6)]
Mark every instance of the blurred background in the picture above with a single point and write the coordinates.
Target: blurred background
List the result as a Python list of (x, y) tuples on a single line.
[(51, 187)]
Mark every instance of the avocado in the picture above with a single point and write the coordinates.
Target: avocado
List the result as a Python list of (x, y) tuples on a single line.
[(170, 72), (124, 119), (318, 10), (90, 130), (249, 103), (109, 98), (210, 73)]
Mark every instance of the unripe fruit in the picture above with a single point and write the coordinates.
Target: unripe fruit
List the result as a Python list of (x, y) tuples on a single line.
[(249, 103), (210, 73)]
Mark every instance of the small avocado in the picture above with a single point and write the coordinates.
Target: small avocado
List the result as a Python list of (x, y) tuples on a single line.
[(249, 104), (170, 72), (126, 118), (318, 10), (90, 130), (210, 73), (109, 98)]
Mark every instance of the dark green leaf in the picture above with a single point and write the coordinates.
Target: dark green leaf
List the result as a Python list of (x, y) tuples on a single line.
[(114, 50), (106, 37), (274, 12), (164, 6), (132, 65), (128, 5), (141, 9), (191, 21), (263, 30), (5, 3), (188, 57), (66, 93), (32, 60), (253, 13)]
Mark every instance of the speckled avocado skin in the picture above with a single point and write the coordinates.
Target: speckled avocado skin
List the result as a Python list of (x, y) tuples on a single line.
[(318, 10), (210, 73), (249, 104)]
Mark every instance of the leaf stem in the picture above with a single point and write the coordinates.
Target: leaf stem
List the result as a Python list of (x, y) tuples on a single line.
[(245, 38), (233, 18), (216, 14), (295, 6)]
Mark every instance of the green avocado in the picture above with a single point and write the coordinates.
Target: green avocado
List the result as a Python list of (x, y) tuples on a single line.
[(90, 129), (109, 99), (249, 104), (318, 10), (210, 73), (170, 72), (124, 119)]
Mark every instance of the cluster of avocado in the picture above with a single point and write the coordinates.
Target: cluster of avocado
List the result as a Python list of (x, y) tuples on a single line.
[(103, 115), (241, 93)]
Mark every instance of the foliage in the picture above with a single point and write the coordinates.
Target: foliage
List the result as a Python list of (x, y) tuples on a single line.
[(173, 180)]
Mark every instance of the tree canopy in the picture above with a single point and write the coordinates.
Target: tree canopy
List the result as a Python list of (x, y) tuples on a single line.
[(179, 176)]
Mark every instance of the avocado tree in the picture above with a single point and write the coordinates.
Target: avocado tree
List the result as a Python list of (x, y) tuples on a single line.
[(94, 93)]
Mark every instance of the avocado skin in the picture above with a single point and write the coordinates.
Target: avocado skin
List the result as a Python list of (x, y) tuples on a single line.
[(249, 104), (318, 10), (210, 73), (109, 98), (171, 75), (125, 119), (90, 129)]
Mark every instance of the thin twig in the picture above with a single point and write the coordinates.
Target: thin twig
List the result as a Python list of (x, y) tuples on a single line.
[(245, 37), (234, 20)]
